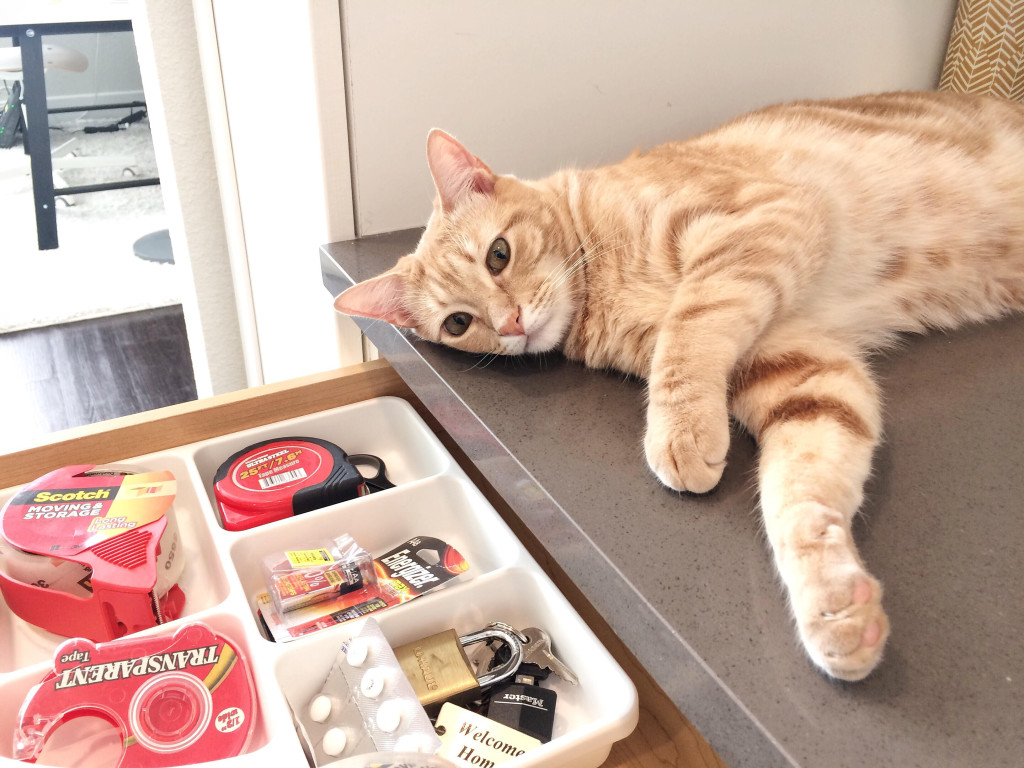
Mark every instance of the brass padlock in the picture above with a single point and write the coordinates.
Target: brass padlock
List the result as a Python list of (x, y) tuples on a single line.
[(440, 671)]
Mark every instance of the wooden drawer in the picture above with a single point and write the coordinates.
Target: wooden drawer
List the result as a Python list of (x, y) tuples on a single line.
[(663, 737)]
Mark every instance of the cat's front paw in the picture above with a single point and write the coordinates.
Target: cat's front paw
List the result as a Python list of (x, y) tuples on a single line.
[(688, 454), (837, 604)]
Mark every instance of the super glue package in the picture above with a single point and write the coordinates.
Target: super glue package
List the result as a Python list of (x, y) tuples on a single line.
[(297, 578), (413, 568)]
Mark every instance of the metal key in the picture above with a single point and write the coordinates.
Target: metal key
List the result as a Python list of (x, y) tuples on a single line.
[(538, 651)]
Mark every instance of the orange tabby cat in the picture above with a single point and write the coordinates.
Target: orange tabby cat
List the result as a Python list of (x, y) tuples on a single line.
[(748, 271)]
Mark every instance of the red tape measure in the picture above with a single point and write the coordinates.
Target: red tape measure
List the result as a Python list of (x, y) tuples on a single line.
[(276, 479)]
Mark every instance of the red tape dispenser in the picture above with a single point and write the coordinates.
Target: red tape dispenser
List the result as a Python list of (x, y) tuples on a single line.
[(92, 554), (177, 701)]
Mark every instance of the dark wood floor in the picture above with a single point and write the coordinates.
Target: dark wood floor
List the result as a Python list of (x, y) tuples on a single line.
[(79, 373)]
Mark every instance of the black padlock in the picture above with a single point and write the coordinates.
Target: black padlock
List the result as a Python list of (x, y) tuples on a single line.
[(524, 706)]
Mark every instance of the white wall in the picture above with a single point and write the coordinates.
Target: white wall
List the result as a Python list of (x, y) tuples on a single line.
[(533, 85), (263, 178), (112, 75)]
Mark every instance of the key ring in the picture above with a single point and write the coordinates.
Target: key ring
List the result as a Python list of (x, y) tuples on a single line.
[(378, 481), (510, 629)]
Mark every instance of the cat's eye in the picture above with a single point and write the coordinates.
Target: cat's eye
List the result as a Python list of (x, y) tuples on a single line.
[(498, 255), (457, 322)]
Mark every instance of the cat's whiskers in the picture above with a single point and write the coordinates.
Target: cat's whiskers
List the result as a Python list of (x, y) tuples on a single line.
[(417, 300), (568, 259), (585, 259), (485, 360), (558, 197), (572, 263), (592, 256), (545, 293)]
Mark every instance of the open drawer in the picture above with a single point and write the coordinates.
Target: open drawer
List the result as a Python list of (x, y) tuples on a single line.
[(365, 409)]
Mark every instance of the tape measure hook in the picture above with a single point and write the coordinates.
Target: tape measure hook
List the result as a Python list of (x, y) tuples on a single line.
[(378, 481)]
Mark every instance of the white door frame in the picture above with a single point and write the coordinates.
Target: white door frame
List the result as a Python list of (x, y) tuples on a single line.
[(275, 88), (269, 200), (220, 337)]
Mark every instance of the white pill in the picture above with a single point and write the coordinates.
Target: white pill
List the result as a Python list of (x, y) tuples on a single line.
[(389, 716), (320, 708), (334, 742), (358, 650), (372, 683), (413, 742)]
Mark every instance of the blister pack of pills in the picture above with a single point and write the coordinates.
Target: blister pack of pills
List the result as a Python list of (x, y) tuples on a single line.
[(366, 704), (394, 760)]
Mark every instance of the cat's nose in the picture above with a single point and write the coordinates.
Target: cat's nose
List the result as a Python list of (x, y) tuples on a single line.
[(513, 325)]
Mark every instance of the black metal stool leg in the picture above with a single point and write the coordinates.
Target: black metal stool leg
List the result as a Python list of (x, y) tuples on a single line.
[(38, 137)]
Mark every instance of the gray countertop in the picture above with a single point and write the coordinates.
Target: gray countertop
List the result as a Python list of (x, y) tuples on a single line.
[(688, 583)]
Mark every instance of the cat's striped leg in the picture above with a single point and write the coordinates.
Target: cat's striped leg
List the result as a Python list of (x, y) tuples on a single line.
[(816, 414), (740, 271), (708, 326)]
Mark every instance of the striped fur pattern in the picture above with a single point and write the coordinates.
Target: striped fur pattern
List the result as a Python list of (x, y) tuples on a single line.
[(748, 271)]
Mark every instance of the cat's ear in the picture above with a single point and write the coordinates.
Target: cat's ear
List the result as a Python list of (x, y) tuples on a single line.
[(457, 172), (383, 298)]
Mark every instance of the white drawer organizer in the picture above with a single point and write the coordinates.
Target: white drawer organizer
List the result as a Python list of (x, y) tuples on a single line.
[(433, 497)]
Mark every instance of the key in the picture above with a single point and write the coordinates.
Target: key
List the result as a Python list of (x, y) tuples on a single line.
[(538, 651), (500, 653)]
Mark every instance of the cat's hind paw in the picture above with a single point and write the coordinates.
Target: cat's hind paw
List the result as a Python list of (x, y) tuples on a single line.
[(847, 641), (836, 603)]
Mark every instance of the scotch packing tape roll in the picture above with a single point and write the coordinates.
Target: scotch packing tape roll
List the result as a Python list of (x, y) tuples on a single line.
[(93, 551), (75, 578)]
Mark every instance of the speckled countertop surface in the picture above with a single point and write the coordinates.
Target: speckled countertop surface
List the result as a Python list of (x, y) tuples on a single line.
[(688, 583)]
